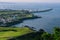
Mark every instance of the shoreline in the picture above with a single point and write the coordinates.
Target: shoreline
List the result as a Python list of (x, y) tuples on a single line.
[(9, 24)]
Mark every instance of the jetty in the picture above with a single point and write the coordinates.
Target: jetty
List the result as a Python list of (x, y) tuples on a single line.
[(39, 11)]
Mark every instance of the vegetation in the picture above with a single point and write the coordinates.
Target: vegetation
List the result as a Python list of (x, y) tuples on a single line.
[(40, 35), (25, 33), (6, 33)]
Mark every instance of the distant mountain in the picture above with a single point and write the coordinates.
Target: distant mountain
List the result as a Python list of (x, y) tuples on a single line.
[(11, 5), (6, 3)]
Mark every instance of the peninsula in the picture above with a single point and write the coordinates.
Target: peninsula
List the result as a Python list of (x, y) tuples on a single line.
[(11, 17)]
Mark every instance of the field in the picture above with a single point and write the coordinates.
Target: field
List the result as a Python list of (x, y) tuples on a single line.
[(6, 33)]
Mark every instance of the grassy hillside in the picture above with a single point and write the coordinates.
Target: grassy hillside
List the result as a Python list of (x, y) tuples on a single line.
[(40, 35), (24, 33), (6, 33)]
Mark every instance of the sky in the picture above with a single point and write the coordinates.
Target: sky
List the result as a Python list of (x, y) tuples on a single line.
[(37, 1)]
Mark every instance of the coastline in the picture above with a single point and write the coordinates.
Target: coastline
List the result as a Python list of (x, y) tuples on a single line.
[(9, 24)]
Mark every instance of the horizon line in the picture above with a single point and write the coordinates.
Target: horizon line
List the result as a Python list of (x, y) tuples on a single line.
[(29, 2)]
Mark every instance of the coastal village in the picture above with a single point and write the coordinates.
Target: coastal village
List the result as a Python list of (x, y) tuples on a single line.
[(12, 16)]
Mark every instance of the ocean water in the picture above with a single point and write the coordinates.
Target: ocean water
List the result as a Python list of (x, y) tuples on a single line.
[(49, 19)]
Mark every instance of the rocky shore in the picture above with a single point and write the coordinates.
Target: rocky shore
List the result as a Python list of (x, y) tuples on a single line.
[(17, 21)]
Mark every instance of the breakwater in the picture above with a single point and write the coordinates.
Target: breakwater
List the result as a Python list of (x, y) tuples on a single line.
[(38, 11)]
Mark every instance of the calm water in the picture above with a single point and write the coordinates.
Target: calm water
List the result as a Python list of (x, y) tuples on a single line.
[(48, 21)]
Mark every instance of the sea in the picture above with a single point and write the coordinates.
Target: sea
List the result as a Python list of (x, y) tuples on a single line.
[(48, 21)]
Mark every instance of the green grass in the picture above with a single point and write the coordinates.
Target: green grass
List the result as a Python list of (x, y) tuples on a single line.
[(6, 33)]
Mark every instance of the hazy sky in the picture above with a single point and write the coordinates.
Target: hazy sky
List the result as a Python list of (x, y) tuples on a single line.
[(49, 1)]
